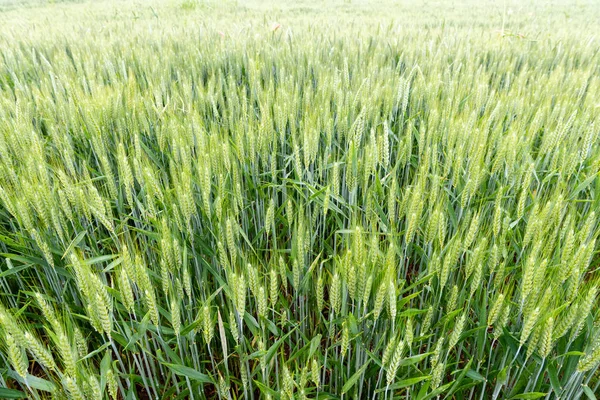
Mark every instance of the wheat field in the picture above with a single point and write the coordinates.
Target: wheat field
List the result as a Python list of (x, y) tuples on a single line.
[(314, 200)]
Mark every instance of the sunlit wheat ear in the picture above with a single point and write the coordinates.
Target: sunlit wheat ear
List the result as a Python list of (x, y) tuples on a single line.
[(495, 310), (296, 274), (239, 287), (252, 274), (66, 352), (274, 287), (223, 388), (112, 384), (367, 290), (175, 317), (476, 279), (583, 311), (73, 388), (437, 376), (590, 360), (42, 354), (208, 325), (288, 383), (92, 388), (47, 311), (392, 300), (335, 293), (452, 299), (394, 363), (16, 355), (345, 340), (233, 326), (408, 333), (528, 325), (545, 344), (230, 235), (457, 331)]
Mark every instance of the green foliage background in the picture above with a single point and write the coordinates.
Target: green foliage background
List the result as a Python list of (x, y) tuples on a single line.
[(312, 200)]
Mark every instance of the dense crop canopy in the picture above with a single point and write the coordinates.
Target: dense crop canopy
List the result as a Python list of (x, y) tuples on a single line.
[(234, 201)]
